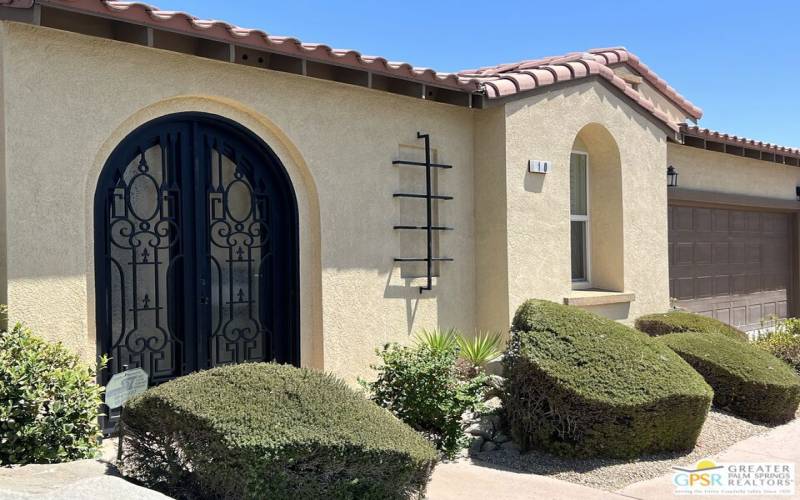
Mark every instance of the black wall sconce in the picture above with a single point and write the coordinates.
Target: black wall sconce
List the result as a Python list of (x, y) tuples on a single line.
[(672, 177), (797, 192)]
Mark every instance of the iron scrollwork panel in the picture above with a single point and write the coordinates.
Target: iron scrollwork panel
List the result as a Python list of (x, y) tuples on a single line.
[(238, 253), (196, 250), (143, 256)]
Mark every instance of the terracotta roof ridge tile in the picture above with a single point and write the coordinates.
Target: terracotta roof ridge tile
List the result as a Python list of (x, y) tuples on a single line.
[(706, 133)]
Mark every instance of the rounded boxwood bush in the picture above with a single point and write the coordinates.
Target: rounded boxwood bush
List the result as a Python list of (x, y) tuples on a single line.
[(263, 430), (747, 381), (49, 402), (680, 321), (579, 384)]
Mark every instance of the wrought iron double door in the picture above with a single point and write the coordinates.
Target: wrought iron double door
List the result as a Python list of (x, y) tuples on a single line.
[(196, 250)]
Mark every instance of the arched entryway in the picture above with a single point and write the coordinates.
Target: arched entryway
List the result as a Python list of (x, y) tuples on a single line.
[(196, 250)]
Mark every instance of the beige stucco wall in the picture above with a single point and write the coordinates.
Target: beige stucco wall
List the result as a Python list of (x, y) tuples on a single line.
[(544, 127), (659, 100), (70, 99), (725, 173), (491, 229)]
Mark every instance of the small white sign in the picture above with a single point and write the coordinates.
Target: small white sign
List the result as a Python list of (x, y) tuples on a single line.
[(538, 166), (125, 385)]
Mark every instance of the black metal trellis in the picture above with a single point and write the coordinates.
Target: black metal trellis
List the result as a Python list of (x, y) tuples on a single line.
[(428, 196)]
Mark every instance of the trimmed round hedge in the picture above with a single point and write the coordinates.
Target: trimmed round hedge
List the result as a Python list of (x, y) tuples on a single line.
[(582, 385), (263, 430), (747, 381), (680, 321)]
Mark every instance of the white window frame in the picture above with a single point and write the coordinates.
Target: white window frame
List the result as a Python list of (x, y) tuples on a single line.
[(587, 238)]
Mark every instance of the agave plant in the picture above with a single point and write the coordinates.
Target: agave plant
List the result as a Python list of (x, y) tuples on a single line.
[(481, 349), (439, 340)]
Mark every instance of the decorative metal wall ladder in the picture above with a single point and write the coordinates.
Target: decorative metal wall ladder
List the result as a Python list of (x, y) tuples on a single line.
[(429, 197)]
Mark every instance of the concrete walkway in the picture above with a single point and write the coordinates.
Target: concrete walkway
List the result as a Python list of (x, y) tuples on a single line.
[(80, 480), (464, 481), (781, 444), (91, 479)]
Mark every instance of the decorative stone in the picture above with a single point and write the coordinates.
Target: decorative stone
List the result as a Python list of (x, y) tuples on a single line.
[(510, 445), (493, 404), (476, 445), (482, 428), (495, 383), (489, 446), (501, 438)]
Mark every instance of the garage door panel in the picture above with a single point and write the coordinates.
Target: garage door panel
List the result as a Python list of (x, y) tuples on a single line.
[(682, 217), (684, 288), (736, 252), (704, 286), (722, 285), (739, 316), (684, 254), (733, 265), (702, 220), (720, 252), (702, 253), (755, 313), (721, 218), (753, 220), (737, 221), (739, 284)]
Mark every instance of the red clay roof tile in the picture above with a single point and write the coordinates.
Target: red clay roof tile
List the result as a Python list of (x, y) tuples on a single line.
[(744, 142), (494, 81), (590, 59)]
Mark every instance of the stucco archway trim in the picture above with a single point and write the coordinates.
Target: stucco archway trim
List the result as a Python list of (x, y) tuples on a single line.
[(311, 342)]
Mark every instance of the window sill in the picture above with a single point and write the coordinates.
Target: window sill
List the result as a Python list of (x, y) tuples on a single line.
[(595, 297)]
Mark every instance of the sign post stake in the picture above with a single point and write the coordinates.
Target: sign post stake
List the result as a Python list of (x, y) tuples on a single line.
[(122, 387), (121, 431)]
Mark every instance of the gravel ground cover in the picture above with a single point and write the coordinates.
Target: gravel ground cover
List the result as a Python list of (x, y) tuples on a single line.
[(719, 432)]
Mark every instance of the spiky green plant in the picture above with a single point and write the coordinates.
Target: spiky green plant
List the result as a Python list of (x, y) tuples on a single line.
[(439, 340), (481, 349)]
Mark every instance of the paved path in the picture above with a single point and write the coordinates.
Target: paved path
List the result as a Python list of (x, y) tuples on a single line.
[(465, 481), (80, 480), (781, 444), (91, 479)]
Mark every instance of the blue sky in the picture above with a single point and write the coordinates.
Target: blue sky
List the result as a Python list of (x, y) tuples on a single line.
[(738, 60)]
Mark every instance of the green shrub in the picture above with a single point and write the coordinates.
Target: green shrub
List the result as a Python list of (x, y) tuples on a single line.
[(579, 384), (421, 386), (679, 321), (784, 342), (270, 431), (746, 380), (439, 340), (480, 349), (49, 402)]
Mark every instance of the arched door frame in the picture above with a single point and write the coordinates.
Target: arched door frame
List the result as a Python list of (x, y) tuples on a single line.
[(121, 156)]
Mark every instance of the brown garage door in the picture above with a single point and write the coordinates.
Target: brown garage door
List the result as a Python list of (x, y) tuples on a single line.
[(732, 264)]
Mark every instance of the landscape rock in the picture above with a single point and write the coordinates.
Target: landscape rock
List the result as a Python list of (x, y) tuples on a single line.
[(489, 446), (495, 383), (476, 445)]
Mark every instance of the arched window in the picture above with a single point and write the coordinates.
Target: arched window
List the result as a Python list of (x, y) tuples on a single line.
[(596, 219)]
